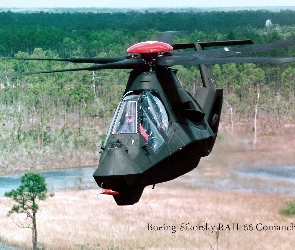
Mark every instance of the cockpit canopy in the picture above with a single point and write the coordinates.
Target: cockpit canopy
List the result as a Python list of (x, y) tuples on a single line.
[(126, 118), (142, 113)]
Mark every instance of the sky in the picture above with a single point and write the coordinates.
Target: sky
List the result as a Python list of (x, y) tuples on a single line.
[(141, 4)]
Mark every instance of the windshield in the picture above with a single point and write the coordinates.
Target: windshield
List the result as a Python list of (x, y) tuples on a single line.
[(154, 108), (153, 120), (126, 120), (144, 114)]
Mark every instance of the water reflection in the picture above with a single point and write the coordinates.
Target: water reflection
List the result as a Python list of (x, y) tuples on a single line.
[(56, 179)]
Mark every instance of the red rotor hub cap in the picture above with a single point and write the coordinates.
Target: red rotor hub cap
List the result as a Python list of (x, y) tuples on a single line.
[(149, 47)]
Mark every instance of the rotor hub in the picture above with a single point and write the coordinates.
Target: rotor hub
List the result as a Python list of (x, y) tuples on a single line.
[(150, 51), (149, 47)]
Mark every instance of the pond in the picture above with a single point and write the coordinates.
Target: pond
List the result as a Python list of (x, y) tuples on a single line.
[(56, 180), (266, 180), (270, 180)]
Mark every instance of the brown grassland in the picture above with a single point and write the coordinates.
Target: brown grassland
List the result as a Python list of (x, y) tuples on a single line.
[(81, 219)]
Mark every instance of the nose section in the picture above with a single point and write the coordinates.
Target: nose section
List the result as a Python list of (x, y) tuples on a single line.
[(117, 182), (116, 170)]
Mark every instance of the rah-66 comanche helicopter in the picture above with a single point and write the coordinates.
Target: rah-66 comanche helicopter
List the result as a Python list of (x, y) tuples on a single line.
[(160, 131)]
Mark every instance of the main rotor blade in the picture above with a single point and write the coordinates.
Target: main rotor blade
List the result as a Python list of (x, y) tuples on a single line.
[(233, 51), (174, 60), (131, 63), (73, 59), (263, 47), (211, 44)]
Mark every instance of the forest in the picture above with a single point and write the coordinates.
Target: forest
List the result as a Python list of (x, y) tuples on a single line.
[(47, 116)]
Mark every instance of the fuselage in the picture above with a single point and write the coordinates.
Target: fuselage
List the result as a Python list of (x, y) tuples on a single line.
[(158, 133)]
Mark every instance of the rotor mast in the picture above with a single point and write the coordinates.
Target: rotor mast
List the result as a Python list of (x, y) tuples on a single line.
[(206, 73)]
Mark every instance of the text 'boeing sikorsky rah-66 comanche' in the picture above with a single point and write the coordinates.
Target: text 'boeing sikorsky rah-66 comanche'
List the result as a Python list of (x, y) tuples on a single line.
[(160, 131)]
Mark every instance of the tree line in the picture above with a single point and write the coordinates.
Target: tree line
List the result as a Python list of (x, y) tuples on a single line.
[(61, 31)]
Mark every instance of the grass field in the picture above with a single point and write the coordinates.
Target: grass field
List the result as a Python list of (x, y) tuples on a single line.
[(189, 219), (174, 215)]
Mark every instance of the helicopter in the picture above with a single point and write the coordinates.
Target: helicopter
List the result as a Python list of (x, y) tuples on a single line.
[(160, 131)]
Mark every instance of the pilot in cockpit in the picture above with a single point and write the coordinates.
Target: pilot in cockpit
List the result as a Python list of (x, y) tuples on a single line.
[(127, 124)]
